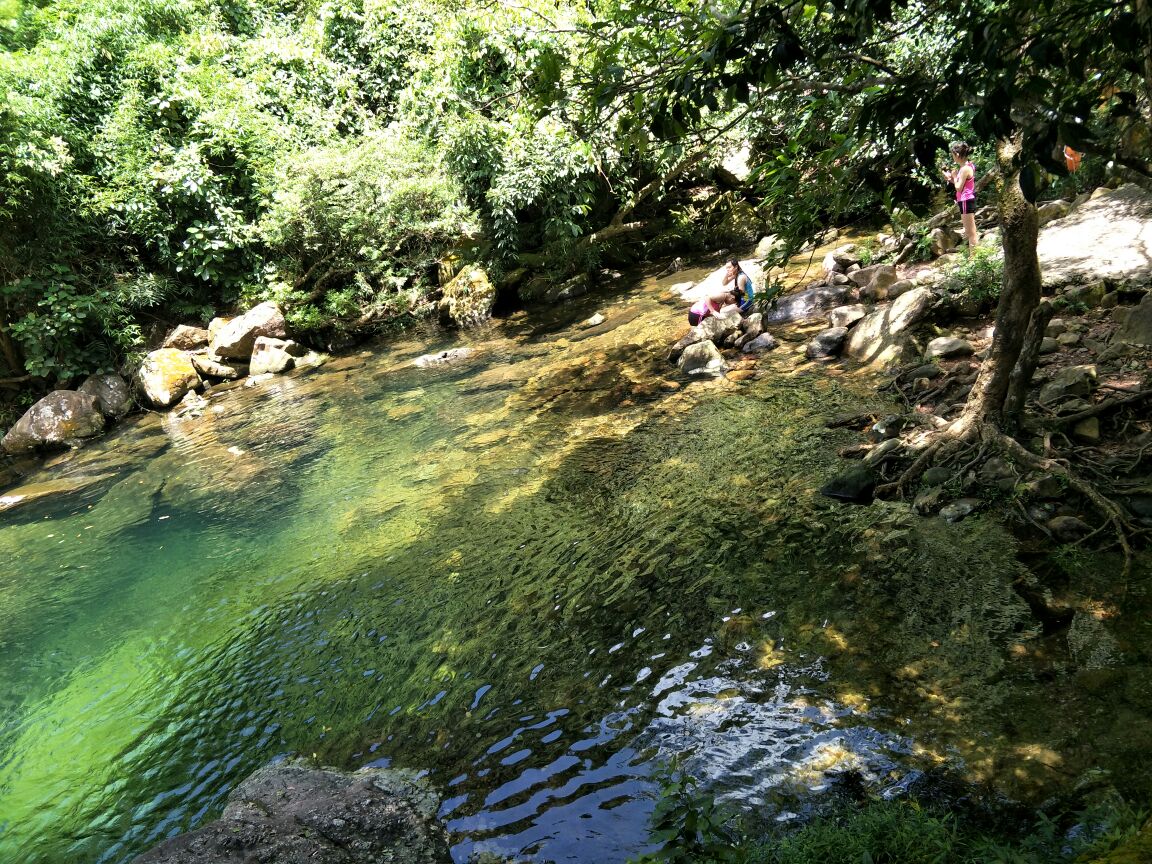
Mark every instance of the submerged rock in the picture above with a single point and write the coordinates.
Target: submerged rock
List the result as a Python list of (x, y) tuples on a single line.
[(763, 342), (826, 343), (31, 493), (292, 814), (961, 509), (442, 358)]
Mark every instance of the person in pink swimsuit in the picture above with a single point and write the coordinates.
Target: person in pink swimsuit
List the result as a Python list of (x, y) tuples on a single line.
[(706, 306), (963, 179)]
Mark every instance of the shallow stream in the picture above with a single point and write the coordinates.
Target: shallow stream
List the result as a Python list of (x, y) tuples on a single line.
[(540, 573)]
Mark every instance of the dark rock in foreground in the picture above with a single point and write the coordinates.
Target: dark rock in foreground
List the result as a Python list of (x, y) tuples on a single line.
[(291, 814), (854, 486)]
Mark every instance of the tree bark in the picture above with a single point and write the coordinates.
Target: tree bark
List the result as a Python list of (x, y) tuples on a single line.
[(1143, 9), (1019, 293), (1021, 376)]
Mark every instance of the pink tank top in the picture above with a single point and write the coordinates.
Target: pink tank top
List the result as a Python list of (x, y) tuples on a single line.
[(968, 191), (704, 307)]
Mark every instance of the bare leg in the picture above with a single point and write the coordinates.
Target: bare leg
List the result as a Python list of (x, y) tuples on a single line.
[(969, 222)]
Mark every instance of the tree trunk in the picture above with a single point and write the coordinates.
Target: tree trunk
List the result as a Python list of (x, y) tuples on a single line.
[(1143, 10), (1019, 294), (1026, 366)]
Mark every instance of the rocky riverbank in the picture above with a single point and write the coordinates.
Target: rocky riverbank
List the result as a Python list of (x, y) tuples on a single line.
[(290, 813), (928, 324)]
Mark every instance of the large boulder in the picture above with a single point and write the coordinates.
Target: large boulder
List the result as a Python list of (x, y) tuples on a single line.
[(186, 338), (165, 376), (210, 367), (874, 279), (840, 259), (235, 339), (291, 814), (752, 327), (468, 299), (846, 316), (881, 336), (810, 303), (271, 355), (826, 343), (943, 240), (948, 348), (1050, 211), (1106, 238), (1071, 381), (702, 358), (717, 328), (59, 419), (1135, 325), (112, 393)]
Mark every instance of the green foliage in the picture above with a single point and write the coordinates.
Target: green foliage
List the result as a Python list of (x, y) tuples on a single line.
[(1094, 831), (890, 832), (979, 274), (1069, 305), (169, 140), (1070, 560), (923, 243), (533, 184), (357, 221), (690, 825), (895, 833), (902, 832), (868, 252), (66, 328)]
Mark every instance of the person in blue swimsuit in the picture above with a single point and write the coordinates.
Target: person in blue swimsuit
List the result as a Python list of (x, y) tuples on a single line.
[(741, 286)]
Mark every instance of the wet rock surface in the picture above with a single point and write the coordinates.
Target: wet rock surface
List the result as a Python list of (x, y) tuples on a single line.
[(292, 814), (61, 417)]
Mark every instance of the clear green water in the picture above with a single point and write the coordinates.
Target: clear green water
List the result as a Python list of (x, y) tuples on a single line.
[(531, 573)]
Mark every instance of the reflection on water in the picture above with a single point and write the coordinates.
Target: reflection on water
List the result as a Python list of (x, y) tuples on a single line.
[(537, 573)]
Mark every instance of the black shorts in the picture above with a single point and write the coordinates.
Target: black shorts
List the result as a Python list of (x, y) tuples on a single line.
[(695, 318), (968, 206)]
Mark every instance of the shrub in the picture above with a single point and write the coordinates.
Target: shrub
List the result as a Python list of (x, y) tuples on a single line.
[(66, 328), (980, 274), (351, 225)]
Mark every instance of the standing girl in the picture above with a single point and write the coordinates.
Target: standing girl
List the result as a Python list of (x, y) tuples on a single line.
[(963, 179)]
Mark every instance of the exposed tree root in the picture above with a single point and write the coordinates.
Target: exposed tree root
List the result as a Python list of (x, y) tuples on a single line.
[(1103, 408), (960, 438)]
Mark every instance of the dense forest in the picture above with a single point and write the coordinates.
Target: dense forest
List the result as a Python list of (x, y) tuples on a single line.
[(165, 161)]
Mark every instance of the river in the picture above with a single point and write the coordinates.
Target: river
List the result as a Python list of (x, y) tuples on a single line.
[(546, 574)]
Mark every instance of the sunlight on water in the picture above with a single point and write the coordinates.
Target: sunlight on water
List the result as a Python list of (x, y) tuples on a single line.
[(516, 572)]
